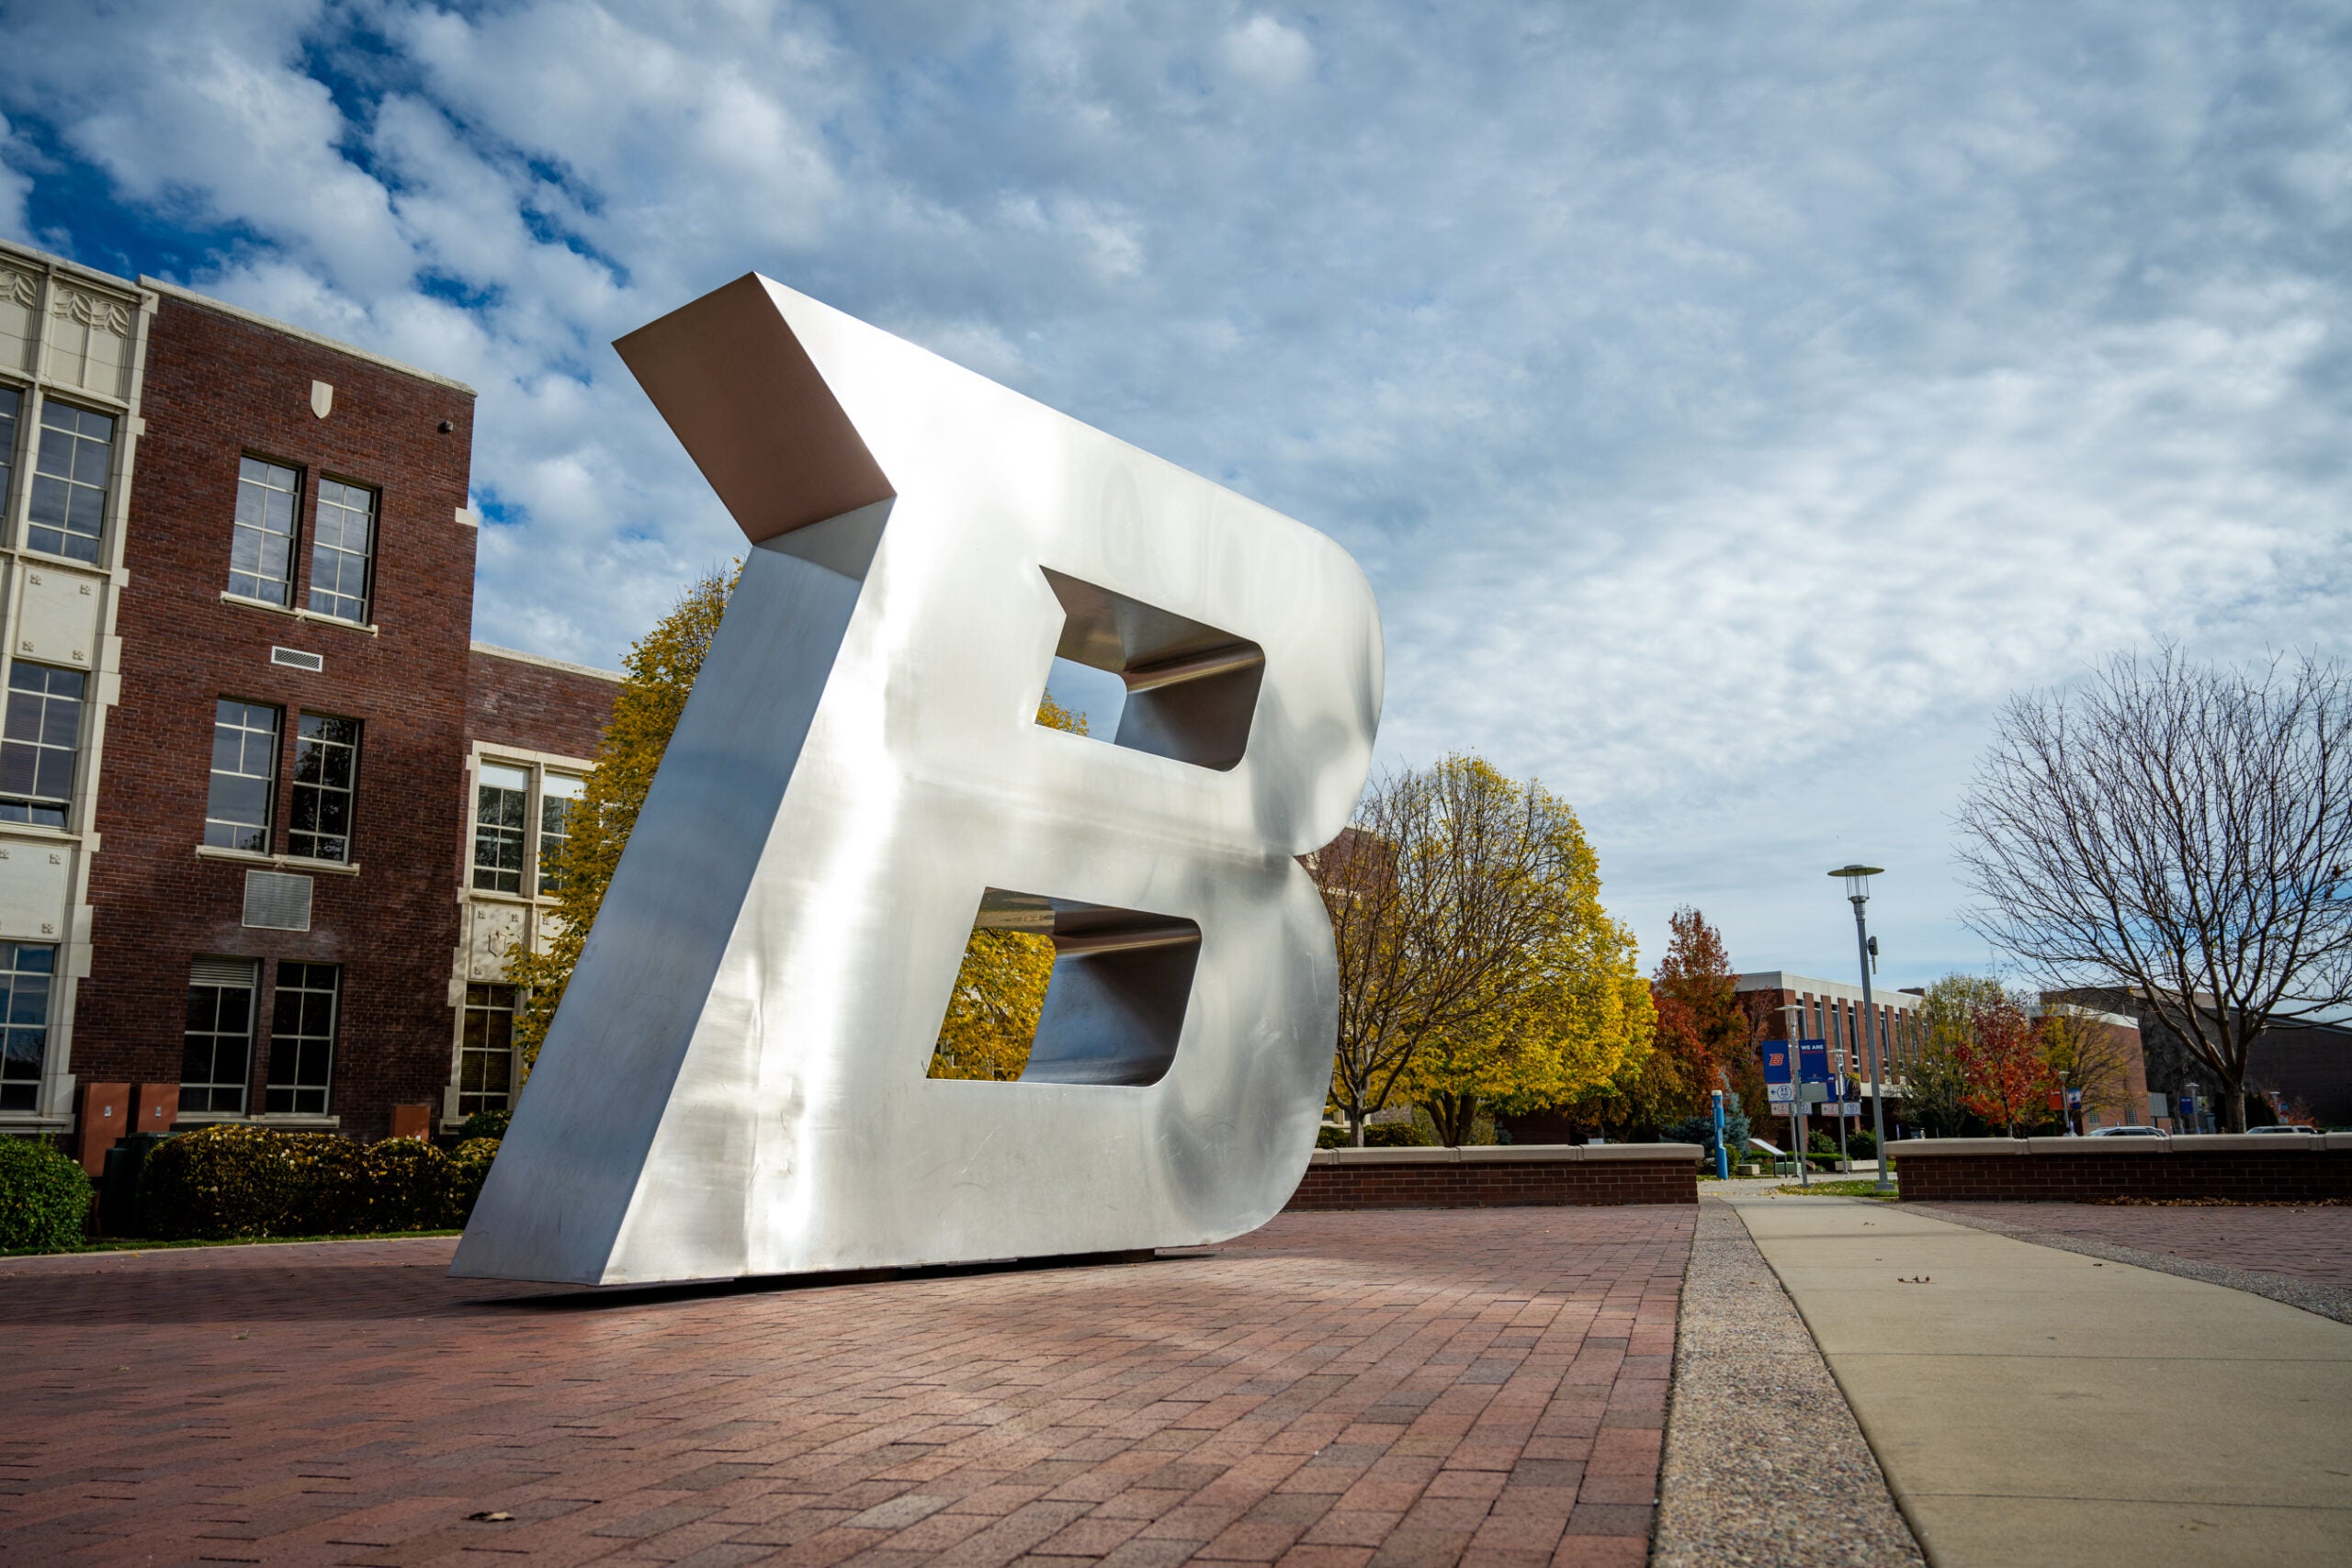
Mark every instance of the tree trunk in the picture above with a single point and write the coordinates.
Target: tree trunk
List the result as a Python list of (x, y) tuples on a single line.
[(1355, 1123), (1454, 1115)]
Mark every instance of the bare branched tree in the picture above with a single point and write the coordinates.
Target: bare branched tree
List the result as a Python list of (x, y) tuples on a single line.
[(2181, 831), (1441, 893)]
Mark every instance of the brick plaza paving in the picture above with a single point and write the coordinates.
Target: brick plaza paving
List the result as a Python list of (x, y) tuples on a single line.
[(2310, 1243), (1471, 1385)]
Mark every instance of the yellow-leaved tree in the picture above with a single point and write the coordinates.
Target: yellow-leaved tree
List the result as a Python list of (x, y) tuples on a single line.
[(1575, 1014), (1477, 965), (657, 677), (1000, 989)]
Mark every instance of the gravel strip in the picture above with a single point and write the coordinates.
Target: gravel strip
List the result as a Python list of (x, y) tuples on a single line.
[(1764, 1463), (2327, 1301)]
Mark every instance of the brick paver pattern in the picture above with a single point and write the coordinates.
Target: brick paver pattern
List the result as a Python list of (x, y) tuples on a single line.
[(1478, 1386), (2311, 1243)]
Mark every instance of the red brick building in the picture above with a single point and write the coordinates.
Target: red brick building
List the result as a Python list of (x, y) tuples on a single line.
[(1832, 1011), (261, 798)]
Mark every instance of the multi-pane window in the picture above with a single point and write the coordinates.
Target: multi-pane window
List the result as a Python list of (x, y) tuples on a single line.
[(12, 403), (244, 776), (340, 541), (502, 797), (25, 971), (216, 1045), (69, 502), (558, 796), (39, 743), (486, 1058), (302, 1038), (326, 769), (261, 547)]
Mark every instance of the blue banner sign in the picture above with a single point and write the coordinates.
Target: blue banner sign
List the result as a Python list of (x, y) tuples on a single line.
[(1776, 1061), (1812, 1061)]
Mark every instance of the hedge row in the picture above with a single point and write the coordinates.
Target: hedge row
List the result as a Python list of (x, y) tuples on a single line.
[(44, 1197), (233, 1181)]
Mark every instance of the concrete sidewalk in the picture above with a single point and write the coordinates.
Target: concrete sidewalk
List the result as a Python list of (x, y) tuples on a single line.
[(2036, 1406)]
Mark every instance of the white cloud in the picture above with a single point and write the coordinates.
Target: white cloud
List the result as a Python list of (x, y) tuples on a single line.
[(1265, 52), (1728, 410), (15, 185)]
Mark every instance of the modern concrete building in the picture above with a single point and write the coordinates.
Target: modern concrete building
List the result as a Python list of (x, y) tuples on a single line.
[(268, 814)]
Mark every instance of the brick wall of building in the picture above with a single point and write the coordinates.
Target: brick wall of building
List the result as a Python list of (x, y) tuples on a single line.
[(2308, 1063), (220, 388), (2244, 1168), (539, 705), (1361, 1180)]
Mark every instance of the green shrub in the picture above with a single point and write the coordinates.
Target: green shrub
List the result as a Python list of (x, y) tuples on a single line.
[(1379, 1135), (44, 1197), (489, 1124), (220, 1183), (1701, 1130), (406, 1188), (468, 1168)]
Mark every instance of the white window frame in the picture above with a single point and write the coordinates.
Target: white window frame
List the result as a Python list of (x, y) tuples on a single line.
[(535, 903)]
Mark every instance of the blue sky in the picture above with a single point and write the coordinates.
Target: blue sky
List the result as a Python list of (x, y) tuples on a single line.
[(1731, 404)]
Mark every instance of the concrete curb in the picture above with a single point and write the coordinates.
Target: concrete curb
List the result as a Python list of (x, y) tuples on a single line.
[(1764, 1462)]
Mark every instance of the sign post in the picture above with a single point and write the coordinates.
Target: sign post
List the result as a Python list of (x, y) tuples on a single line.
[(1722, 1155), (1813, 1070), (1781, 1087)]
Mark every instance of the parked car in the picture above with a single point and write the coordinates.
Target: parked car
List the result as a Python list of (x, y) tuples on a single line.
[(2286, 1127), (2128, 1133)]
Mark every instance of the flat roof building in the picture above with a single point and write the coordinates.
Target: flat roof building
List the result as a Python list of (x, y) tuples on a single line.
[(1832, 1011)]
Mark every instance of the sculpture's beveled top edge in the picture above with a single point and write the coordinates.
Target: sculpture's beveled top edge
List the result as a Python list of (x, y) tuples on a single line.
[(787, 455)]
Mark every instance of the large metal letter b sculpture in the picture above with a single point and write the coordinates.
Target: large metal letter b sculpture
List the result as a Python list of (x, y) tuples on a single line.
[(735, 1081)]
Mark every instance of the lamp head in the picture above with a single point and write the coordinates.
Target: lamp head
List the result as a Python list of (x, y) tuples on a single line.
[(1858, 878)]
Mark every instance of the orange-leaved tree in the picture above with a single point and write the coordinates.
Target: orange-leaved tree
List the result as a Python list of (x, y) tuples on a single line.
[(2008, 1080), (1701, 1028)]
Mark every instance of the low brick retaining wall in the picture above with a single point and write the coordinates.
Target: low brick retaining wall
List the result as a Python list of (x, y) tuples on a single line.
[(1503, 1177), (2074, 1170)]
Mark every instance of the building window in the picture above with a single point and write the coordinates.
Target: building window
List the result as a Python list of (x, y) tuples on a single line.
[(502, 794), (340, 541), (261, 548), (244, 776), (217, 1043), (301, 1039), (39, 743), (69, 502), (12, 403), (25, 971), (486, 1060), (326, 767), (559, 796)]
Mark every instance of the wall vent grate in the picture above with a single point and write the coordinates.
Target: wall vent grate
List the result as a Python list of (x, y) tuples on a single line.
[(294, 658), (277, 901), (235, 972)]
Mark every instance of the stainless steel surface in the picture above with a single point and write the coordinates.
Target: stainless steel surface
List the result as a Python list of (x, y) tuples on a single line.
[(735, 1084)]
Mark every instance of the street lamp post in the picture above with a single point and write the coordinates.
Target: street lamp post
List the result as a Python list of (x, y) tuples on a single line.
[(1858, 889)]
